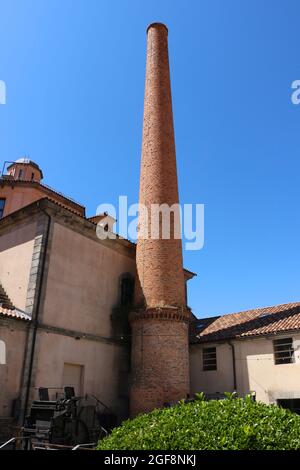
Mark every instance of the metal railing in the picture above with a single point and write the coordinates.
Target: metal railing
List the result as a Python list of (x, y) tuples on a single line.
[(29, 445), (14, 440)]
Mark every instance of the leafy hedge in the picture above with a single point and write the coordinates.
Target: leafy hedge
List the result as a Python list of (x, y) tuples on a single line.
[(233, 423)]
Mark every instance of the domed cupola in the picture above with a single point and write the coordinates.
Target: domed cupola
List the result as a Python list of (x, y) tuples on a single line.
[(25, 169)]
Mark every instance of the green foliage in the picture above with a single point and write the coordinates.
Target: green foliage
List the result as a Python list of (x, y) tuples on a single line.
[(200, 396), (230, 395), (230, 424)]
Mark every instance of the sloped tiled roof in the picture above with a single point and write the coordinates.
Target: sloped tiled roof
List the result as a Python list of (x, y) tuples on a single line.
[(5, 301), (7, 308), (259, 321), (14, 313)]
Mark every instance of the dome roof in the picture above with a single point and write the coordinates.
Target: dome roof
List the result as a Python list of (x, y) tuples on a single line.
[(23, 160), (27, 161)]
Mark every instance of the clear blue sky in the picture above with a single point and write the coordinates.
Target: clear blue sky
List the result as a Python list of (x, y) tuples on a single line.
[(74, 72)]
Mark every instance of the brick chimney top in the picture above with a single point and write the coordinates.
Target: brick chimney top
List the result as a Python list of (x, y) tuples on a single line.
[(157, 25)]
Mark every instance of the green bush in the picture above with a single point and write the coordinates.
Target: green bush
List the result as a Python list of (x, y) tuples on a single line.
[(230, 424)]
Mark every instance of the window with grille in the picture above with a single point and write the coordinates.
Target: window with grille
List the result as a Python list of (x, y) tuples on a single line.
[(209, 359), (283, 351)]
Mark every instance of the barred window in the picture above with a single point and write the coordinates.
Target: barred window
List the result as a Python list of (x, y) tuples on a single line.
[(209, 359), (283, 351)]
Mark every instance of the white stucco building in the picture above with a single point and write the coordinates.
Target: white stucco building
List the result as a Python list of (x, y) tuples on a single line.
[(256, 351)]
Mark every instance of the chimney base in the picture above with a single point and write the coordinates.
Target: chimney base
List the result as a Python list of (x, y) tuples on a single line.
[(160, 359)]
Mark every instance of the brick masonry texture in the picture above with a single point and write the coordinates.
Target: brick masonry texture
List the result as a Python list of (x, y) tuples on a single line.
[(160, 363), (159, 262)]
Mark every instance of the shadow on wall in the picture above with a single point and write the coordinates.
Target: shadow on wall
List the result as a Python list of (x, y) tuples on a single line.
[(121, 331), (18, 236), (120, 313)]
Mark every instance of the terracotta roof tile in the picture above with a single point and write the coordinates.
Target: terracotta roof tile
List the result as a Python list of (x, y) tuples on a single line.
[(14, 313), (260, 321)]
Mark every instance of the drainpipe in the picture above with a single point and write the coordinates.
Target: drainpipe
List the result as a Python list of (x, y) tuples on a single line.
[(36, 314), (233, 365)]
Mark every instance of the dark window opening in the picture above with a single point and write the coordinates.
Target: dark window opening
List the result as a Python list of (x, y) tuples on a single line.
[(292, 404), (2, 204), (209, 359), (106, 228), (32, 176), (283, 351), (127, 290), (20, 173)]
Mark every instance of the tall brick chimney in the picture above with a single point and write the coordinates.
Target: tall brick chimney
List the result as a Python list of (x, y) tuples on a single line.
[(160, 362)]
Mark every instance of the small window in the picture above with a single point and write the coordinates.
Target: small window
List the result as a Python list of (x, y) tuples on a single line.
[(209, 359), (32, 176), (283, 351), (2, 204), (292, 404), (126, 290), (20, 173)]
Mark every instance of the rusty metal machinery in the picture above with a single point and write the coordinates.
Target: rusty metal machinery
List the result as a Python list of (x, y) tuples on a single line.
[(68, 421)]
